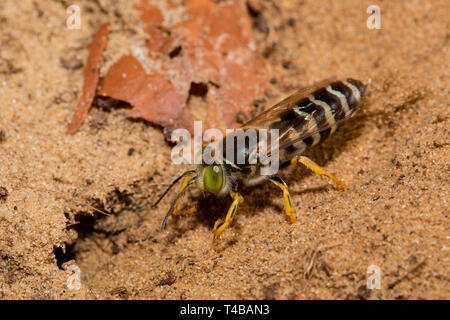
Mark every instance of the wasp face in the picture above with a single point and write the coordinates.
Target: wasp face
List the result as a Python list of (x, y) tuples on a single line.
[(212, 178)]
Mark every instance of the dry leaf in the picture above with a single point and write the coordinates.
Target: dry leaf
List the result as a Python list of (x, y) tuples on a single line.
[(153, 96), (211, 43), (90, 78)]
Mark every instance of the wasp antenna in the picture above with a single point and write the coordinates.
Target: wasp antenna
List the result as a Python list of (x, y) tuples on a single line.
[(171, 185), (163, 224), (92, 207), (98, 210)]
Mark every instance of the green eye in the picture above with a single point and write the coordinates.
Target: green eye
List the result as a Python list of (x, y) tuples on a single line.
[(213, 178)]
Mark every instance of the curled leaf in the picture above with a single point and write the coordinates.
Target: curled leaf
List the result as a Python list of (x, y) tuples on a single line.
[(152, 96), (90, 78), (196, 43)]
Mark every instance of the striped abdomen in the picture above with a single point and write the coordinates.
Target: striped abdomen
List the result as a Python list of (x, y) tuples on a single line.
[(316, 116), (303, 119)]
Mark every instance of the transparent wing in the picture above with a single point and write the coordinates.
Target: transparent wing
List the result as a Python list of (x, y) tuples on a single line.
[(295, 133), (265, 119), (293, 129), (296, 126)]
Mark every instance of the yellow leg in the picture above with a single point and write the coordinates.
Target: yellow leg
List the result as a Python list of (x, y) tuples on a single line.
[(317, 169), (183, 212), (287, 198), (237, 198), (183, 184)]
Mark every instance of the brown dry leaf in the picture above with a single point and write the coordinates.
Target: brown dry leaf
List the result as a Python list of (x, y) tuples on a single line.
[(218, 46), (90, 78), (153, 96), (212, 45)]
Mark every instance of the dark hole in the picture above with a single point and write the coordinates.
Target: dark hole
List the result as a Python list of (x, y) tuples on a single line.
[(259, 22), (105, 103), (175, 52), (62, 257), (131, 151), (252, 11), (198, 89), (84, 225), (2, 136), (291, 22)]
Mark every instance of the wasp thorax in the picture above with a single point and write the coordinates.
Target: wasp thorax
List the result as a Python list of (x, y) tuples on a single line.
[(213, 179)]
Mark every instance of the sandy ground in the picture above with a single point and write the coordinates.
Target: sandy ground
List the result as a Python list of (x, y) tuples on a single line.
[(393, 156)]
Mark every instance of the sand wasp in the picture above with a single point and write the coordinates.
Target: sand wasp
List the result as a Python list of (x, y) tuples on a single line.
[(303, 119)]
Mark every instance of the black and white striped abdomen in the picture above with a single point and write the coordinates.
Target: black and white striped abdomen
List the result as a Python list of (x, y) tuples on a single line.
[(314, 117), (328, 107)]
